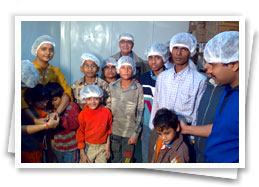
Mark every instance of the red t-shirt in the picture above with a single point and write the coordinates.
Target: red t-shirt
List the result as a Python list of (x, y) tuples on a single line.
[(94, 126)]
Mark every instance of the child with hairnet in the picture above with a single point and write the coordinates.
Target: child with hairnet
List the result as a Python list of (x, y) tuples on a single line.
[(109, 73), (93, 134), (127, 110), (157, 55), (64, 142), (90, 65)]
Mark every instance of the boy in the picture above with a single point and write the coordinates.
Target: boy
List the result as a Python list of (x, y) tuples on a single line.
[(170, 147), (32, 146), (65, 143), (109, 72), (93, 134), (157, 55), (127, 109), (90, 66)]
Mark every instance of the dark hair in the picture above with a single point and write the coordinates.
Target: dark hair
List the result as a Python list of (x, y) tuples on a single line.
[(164, 119), (54, 90), (36, 94)]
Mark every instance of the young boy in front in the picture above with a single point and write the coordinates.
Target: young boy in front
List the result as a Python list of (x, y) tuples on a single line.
[(127, 109), (170, 147), (65, 143), (90, 66), (93, 134)]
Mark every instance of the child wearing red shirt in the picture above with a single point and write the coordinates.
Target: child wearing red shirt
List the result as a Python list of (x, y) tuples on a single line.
[(95, 122)]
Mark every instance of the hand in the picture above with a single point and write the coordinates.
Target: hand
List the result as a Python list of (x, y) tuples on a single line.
[(132, 141), (53, 121), (184, 127), (107, 150), (84, 159), (40, 121)]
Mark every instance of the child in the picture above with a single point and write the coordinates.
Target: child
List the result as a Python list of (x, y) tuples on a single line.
[(127, 109), (65, 143), (32, 146), (90, 66), (93, 134), (157, 55), (170, 147), (109, 72)]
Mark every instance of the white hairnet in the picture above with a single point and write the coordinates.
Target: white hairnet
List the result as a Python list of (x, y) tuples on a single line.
[(112, 61), (126, 60), (158, 49), (29, 74), (184, 40), (88, 56), (223, 48), (126, 36), (90, 91), (39, 41)]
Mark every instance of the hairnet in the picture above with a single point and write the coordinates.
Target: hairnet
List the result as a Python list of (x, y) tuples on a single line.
[(184, 40), (223, 48), (126, 60), (90, 91), (29, 74), (158, 49), (126, 36), (39, 41), (112, 61), (88, 56)]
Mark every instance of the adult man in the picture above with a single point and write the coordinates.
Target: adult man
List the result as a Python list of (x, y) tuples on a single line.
[(180, 88), (126, 44), (222, 62)]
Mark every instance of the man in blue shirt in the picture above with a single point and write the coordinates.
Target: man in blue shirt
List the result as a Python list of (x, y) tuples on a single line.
[(222, 62)]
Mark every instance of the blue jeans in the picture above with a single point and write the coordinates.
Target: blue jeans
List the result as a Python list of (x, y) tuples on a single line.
[(145, 141), (68, 156)]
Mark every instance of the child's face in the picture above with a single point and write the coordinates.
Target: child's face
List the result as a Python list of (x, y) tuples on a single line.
[(168, 135), (109, 71), (56, 102), (93, 102), (126, 72), (155, 62), (45, 52), (89, 68), (41, 104)]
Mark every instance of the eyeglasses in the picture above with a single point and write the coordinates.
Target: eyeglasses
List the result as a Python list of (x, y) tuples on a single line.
[(90, 67), (126, 42)]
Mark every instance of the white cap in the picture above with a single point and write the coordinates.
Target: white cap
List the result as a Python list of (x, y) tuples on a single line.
[(29, 74), (126, 36), (126, 60), (112, 61), (158, 49), (186, 40), (88, 56), (90, 91), (39, 41), (223, 48)]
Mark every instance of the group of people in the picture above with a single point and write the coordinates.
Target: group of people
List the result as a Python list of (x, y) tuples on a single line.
[(163, 111)]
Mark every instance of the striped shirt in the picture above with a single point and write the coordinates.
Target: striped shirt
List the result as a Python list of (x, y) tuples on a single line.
[(65, 133), (78, 85), (180, 92)]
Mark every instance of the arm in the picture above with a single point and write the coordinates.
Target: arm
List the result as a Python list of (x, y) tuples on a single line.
[(31, 129), (64, 103), (203, 131), (139, 117), (62, 81), (80, 133), (83, 157), (201, 90)]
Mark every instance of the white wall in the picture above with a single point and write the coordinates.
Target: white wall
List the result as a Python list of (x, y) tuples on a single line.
[(98, 37)]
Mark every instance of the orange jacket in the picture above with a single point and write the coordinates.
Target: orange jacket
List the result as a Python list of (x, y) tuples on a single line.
[(94, 126)]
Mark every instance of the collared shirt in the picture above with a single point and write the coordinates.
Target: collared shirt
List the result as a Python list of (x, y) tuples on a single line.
[(222, 145), (78, 85), (180, 92), (127, 109)]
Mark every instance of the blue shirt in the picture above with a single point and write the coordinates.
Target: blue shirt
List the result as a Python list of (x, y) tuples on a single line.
[(222, 145)]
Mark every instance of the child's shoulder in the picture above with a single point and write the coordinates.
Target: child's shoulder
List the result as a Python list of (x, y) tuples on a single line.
[(77, 83)]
